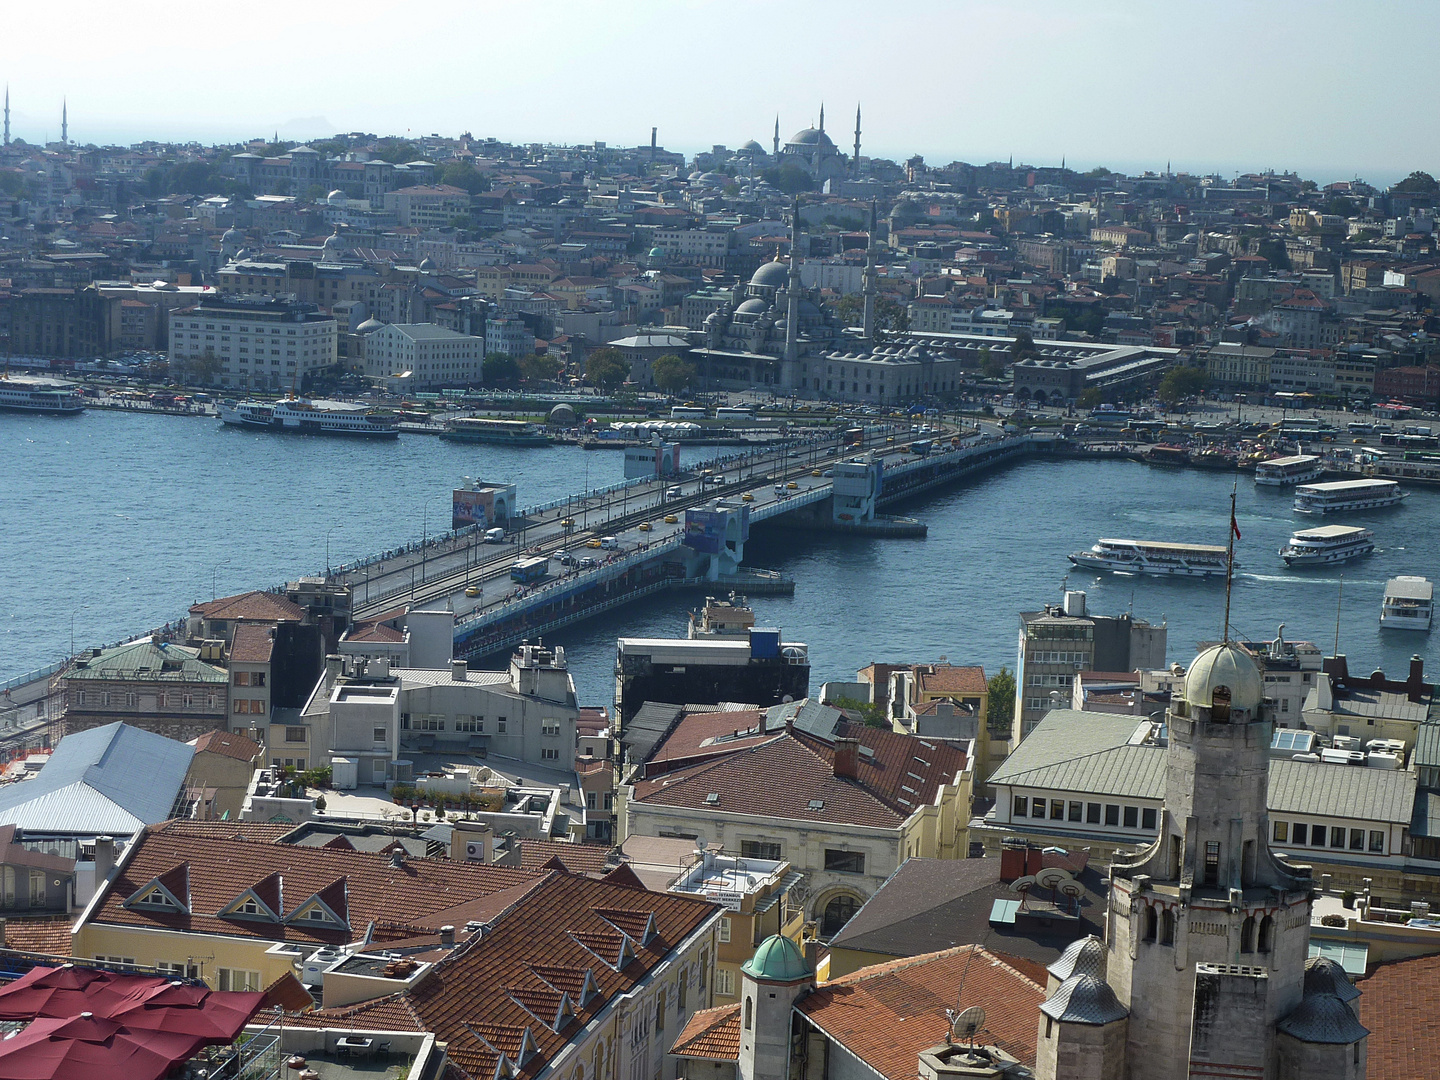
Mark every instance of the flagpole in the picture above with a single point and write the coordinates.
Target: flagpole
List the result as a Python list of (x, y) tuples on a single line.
[(1230, 562)]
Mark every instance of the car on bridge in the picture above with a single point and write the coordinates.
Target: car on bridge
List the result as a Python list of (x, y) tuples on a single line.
[(671, 519), (472, 591)]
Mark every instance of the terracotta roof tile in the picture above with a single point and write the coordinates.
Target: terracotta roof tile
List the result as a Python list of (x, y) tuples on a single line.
[(252, 644), (229, 744), (712, 1034), (263, 832), (50, 937), (950, 679), (1398, 1004), (576, 858), (255, 606), (886, 1014)]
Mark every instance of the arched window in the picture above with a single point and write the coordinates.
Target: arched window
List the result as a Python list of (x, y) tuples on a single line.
[(1167, 927), (1152, 921), (1247, 934), (749, 1012), (837, 913), (1267, 933)]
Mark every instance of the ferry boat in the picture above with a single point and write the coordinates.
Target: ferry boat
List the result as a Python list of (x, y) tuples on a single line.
[(1339, 496), (30, 394), (487, 430), (1409, 604), (1216, 457), (1146, 557), (1327, 544), (318, 417), (1168, 454), (1284, 471)]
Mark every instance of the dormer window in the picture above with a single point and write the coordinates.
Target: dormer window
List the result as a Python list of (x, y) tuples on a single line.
[(157, 898)]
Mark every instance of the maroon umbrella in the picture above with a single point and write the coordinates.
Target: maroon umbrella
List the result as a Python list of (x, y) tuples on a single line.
[(69, 991), (217, 1017), (85, 1047)]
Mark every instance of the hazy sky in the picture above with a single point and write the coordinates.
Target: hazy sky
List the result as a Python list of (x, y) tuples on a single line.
[(1333, 90)]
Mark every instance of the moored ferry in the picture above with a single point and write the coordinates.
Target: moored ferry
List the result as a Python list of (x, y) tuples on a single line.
[(28, 393), (1339, 496), (1284, 471), (488, 430), (1327, 544), (1409, 604), (1149, 557), (318, 417)]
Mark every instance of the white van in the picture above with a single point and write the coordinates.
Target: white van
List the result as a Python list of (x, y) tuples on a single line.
[(609, 543), (494, 536)]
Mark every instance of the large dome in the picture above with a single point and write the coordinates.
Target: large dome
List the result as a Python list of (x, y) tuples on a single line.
[(753, 306), (778, 959), (1227, 666), (810, 137), (771, 274)]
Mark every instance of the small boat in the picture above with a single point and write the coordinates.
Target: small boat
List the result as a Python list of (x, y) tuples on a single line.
[(486, 430), (1158, 559), (1285, 471), (1168, 454), (1327, 544), (1339, 496), (1216, 457), (1409, 604)]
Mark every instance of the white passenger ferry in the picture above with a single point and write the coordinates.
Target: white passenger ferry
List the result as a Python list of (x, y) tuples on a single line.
[(319, 417), (29, 394), (1284, 471), (1409, 604), (1327, 544), (1339, 496), (1145, 557)]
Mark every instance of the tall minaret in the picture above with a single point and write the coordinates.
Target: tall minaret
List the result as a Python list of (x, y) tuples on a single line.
[(64, 122), (792, 290), (822, 118), (777, 135), (7, 114), (868, 284), (855, 164)]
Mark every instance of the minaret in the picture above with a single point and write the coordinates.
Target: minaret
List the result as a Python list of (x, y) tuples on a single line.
[(64, 122), (868, 285), (7, 114), (855, 164), (822, 118), (777, 135), (792, 290)]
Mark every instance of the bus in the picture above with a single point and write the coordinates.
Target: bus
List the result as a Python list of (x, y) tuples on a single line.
[(853, 437), (731, 412), (687, 412), (527, 570), (1306, 426)]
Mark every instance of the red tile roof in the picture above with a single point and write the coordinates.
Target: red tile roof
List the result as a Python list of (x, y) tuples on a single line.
[(696, 735), (229, 744), (949, 679), (577, 858), (886, 1014), (253, 606), (263, 832), (711, 1034), (252, 644), (50, 937), (362, 887), (900, 774), (1398, 1004)]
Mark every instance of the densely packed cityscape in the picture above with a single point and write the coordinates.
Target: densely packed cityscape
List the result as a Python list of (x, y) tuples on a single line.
[(361, 826)]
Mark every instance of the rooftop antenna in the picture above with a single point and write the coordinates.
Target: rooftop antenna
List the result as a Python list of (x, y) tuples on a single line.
[(1230, 561), (1340, 599)]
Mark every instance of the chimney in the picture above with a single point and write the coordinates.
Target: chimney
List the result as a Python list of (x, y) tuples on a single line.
[(847, 757), (1336, 667), (764, 716), (447, 934), (1012, 863), (104, 858), (1415, 684), (457, 670), (397, 856), (333, 664)]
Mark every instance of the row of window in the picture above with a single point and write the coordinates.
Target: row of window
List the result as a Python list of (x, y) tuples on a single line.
[(1058, 657), (1318, 835), (1050, 680), (1115, 815), (249, 707), (163, 699), (836, 860), (298, 763), (437, 722)]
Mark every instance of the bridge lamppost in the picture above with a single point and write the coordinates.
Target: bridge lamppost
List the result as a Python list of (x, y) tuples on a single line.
[(425, 536), (327, 547)]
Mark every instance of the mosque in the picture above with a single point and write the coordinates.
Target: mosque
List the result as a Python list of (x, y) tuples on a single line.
[(815, 152), (1204, 968)]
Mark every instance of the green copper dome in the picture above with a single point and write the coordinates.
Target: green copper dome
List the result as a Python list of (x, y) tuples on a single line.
[(778, 959)]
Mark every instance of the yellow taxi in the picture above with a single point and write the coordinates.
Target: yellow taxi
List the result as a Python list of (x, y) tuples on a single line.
[(889, 438), (816, 472), (472, 591), (568, 523), (793, 486), (645, 526), (671, 519), (592, 543), (747, 497)]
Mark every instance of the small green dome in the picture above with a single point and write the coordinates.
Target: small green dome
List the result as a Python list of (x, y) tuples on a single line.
[(778, 959), (657, 253)]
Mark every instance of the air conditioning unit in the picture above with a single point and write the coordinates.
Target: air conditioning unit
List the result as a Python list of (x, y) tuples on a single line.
[(475, 850)]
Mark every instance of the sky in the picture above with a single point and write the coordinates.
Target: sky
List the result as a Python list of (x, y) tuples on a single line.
[(1331, 90)]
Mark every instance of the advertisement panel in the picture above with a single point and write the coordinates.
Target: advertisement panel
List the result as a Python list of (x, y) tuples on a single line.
[(472, 508), (705, 529)]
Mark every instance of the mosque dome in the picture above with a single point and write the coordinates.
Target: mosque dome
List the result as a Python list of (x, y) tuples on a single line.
[(1083, 957), (332, 246), (771, 275), (232, 235), (1084, 999), (657, 253), (752, 147), (369, 325), (426, 263), (1230, 667), (336, 198), (778, 959), (753, 306), (242, 254), (811, 137)]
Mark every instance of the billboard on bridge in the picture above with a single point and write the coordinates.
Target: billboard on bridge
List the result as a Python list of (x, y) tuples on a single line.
[(706, 530)]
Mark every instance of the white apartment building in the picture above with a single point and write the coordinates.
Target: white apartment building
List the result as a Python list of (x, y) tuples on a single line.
[(428, 206), (256, 344), (509, 336), (699, 246), (432, 355)]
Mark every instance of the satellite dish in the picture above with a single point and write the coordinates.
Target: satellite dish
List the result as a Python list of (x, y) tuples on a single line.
[(1071, 888), (1051, 877), (967, 1024), (1022, 884)]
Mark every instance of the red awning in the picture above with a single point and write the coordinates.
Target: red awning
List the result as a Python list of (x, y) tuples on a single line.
[(86, 1047)]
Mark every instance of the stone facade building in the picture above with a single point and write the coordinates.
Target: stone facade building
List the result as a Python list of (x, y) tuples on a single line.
[(149, 684)]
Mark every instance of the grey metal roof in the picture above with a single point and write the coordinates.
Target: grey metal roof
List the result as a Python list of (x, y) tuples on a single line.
[(107, 780), (1427, 745), (807, 715), (1085, 956), (1084, 999), (1089, 752), (1322, 1018), (145, 661), (651, 723), (1426, 819), (1342, 791), (1382, 704)]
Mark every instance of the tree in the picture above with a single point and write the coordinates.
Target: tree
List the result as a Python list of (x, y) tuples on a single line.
[(398, 152), (606, 369), (1000, 711), (873, 715), (500, 369), (1022, 346), (1181, 382), (991, 365), (539, 367), (463, 175), (891, 316), (791, 179), (1090, 397), (1418, 183), (671, 373)]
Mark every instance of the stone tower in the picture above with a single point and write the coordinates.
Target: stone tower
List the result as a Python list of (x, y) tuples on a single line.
[(771, 982), (1209, 930)]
